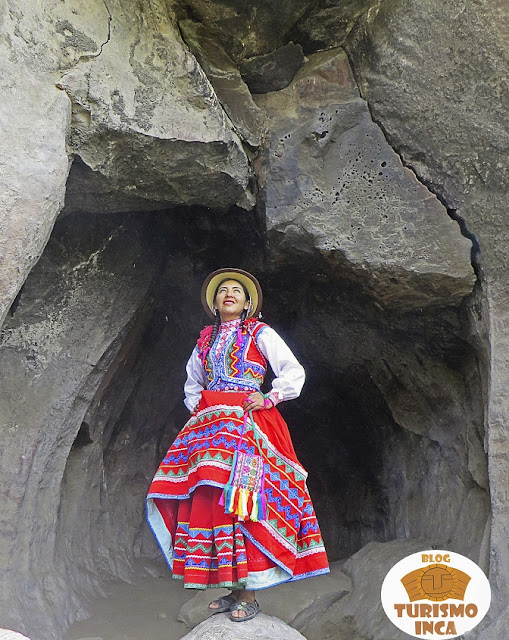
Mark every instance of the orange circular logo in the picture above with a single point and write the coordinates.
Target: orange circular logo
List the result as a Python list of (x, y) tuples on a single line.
[(435, 593), (438, 582)]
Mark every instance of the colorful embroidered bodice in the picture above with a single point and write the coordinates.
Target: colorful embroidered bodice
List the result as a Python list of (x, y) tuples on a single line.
[(230, 364)]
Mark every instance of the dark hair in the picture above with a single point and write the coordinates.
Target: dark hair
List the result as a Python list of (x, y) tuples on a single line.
[(217, 319)]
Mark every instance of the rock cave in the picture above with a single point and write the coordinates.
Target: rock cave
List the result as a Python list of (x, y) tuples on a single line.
[(150, 144)]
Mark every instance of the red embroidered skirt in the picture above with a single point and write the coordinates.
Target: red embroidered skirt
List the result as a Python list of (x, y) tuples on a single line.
[(207, 547)]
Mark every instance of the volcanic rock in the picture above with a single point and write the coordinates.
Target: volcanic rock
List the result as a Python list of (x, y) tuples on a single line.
[(332, 183), (272, 71)]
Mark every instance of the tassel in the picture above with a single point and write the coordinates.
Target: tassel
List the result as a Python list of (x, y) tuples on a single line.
[(239, 337), (254, 510), (263, 506), (242, 506), (225, 498), (231, 500), (245, 502), (238, 510)]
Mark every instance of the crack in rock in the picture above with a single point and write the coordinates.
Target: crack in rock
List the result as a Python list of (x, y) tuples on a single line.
[(88, 57)]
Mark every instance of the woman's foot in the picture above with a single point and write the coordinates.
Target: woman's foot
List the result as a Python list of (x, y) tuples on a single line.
[(246, 608), (244, 611), (225, 603)]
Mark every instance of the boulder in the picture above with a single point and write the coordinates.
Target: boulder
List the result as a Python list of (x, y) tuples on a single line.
[(328, 22), (139, 113), (245, 29), (272, 71), (230, 88), (494, 629), (359, 615), (435, 77), (7, 634), (331, 183), (146, 118), (440, 100), (33, 171), (262, 627)]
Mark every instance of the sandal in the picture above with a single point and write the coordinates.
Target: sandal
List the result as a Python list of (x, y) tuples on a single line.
[(225, 603), (250, 609)]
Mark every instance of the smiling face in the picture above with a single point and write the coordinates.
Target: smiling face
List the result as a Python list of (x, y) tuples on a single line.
[(230, 300)]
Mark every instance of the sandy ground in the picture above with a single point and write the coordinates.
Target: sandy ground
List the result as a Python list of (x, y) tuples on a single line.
[(147, 609)]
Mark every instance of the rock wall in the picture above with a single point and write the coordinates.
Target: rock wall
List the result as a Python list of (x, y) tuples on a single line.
[(359, 188), (145, 122), (57, 352), (439, 93)]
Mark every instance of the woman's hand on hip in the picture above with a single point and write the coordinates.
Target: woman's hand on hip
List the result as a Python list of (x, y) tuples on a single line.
[(253, 402)]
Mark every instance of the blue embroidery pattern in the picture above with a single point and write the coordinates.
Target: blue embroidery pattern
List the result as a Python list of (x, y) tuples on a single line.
[(227, 367)]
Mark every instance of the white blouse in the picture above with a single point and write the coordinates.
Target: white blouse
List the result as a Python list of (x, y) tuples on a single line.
[(289, 372)]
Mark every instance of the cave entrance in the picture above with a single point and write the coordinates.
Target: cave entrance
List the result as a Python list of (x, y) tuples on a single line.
[(389, 425)]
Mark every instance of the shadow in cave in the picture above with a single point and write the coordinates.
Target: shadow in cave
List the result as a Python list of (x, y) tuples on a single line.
[(339, 426), (365, 467), (389, 424)]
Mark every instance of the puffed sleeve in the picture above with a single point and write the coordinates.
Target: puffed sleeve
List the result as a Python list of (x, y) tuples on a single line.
[(195, 382), (289, 372)]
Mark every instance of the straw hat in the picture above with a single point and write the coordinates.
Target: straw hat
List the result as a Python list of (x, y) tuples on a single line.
[(249, 281)]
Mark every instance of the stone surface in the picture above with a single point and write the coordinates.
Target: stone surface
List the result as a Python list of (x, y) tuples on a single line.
[(406, 366), (260, 27), (494, 631), (144, 607), (347, 619), (230, 88), (286, 601), (7, 634), (90, 191), (262, 627), (456, 138), (272, 71), (389, 425), (362, 206), (400, 412), (147, 119), (328, 22), (245, 29), (33, 171), (55, 355)]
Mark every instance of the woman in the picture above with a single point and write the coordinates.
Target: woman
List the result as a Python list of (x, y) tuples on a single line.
[(229, 504)]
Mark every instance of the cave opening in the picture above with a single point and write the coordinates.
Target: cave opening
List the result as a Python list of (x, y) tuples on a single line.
[(366, 426), (389, 424)]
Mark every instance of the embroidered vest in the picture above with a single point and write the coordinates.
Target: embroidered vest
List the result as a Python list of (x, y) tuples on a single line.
[(230, 364)]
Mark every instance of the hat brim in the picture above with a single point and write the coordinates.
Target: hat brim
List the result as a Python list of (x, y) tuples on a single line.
[(249, 281)]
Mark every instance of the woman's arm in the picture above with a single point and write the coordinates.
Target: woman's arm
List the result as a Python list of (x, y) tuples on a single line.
[(195, 382), (290, 374)]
